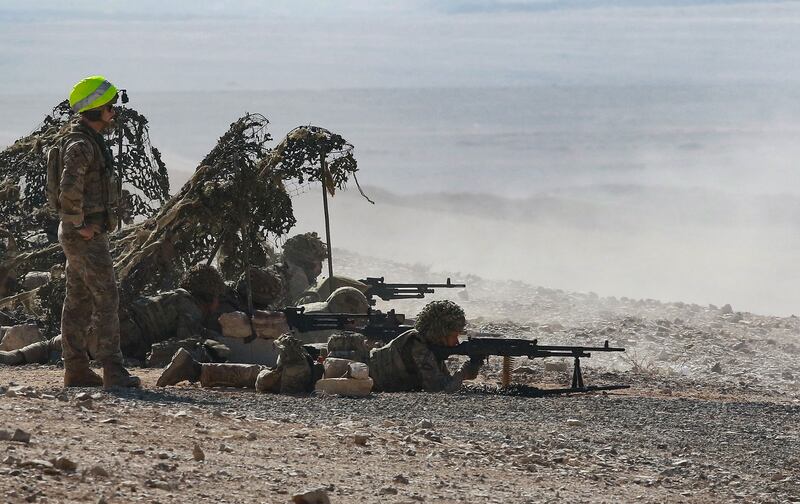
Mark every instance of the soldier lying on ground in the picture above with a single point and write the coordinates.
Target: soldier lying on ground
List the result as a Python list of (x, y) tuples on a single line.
[(294, 373), (404, 364), (179, 314)]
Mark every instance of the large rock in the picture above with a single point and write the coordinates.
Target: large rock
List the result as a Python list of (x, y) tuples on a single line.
[(345, 386), (18, 336)]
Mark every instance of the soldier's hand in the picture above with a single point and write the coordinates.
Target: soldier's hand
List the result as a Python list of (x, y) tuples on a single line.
[(87, 233), (472, 367)]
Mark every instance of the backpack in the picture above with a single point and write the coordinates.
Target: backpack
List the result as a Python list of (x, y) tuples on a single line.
[(55, 167)]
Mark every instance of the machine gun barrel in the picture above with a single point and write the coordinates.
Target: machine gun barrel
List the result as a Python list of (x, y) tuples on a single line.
[(389, 291)]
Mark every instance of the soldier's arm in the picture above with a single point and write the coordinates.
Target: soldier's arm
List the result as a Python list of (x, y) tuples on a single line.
[(432, 374), (78, 155), (190, 322)]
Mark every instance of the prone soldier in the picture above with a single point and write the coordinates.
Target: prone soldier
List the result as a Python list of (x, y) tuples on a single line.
[(406, 363), (178, 314)]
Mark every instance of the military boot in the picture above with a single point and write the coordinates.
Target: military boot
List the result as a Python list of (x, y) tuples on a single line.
[(181, 367), (80, 375), (115, 375)]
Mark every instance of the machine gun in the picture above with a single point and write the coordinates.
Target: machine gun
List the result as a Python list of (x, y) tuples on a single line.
[(374, 325), (482, 346), (389, 291)]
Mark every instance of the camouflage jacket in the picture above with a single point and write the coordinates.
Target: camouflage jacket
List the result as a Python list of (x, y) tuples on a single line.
[(87, 185), (406, 363), (294, 282), (171, 314)]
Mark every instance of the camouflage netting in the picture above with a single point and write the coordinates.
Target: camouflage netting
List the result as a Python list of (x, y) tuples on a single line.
[(23, 202), (235, 200)]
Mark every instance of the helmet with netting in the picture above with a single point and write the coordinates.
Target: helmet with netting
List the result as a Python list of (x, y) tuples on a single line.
[(306, 248), (266, 287), (204, 282), (347, 300), (438, 319)]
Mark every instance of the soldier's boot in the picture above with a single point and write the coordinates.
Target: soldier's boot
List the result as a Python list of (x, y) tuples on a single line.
[(116, 376), (181, 367), (12, 358), (80, 375)]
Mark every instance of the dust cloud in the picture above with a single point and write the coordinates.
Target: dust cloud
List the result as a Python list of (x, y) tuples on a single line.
[(622, 250)]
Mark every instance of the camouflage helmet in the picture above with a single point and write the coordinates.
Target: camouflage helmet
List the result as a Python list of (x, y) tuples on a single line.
[(438, 319), (265, 286), (204, 282), (306, 248), (347, 300)]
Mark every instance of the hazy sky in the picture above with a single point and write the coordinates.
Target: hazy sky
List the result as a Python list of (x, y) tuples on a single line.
[(152, 45)]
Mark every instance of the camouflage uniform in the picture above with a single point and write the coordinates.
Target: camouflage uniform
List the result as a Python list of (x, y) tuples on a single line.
[(92, 300), (41, 352), (171, 314), (148, 320), (294, 373), (407, 362)]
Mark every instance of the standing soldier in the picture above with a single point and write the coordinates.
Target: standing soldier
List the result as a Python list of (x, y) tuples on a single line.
[(86, 209)]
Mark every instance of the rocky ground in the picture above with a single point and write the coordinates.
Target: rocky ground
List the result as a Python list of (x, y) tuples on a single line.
[(712, 416)]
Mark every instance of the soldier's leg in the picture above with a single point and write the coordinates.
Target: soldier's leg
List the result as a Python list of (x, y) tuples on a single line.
[(76, 315), (230, 375), (12, 358), (101, 282), (184, 368), (40, 352)]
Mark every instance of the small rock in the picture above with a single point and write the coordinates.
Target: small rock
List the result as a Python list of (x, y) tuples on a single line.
[(387, 491), (38, 463), (251, 436), (197, 453), (21, 436), (574, 422), (716, 368), (727, 309), (400, 479), (424, 424), (160, 484), (225, 448), (102, 500), (83, 396), (317, 496), (360, 439), (163, 455), (5, 435), (98, 471), (65, 464)]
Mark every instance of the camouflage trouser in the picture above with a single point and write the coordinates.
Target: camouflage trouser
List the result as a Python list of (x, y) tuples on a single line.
[(92, 299), (230, 375), (41, 352)]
